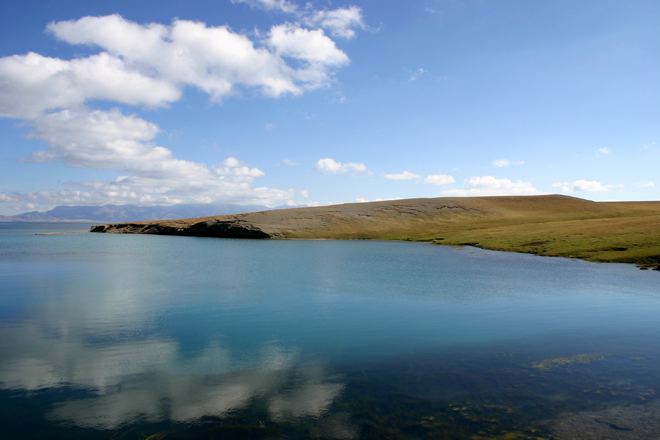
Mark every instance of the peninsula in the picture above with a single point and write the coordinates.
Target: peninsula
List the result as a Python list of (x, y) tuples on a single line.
[(550, 225)]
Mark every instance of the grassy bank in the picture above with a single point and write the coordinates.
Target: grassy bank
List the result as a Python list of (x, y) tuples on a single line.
[(551, 225), (622, 234)]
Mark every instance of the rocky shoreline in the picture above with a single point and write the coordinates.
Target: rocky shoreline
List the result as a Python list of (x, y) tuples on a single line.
[(210, 228)]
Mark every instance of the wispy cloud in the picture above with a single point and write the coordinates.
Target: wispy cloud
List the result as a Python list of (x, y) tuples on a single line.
[(363, 200), (439, 179), (272, 5), (290, 162), (492, 186), (603, 151), (585, 186), (402, 176), (645, 185), (340, 22), (417, 74), (501, 163), (331, 166)]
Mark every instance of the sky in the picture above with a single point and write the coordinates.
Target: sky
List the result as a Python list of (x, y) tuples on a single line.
[(292, 103)]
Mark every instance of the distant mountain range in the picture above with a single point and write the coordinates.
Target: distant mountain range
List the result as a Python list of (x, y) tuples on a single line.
[(128, 213)]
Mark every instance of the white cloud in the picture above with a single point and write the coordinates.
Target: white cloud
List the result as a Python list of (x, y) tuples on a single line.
[(439, 179), (151, 173), (32, 84), (214, 59), (304, 44), (96, 139), (270, 5), (645, 185), (6, 198), (363, 200), (340, 22), (148, 64), (402, 176), (419, 72), (269, 126), (331, 166), (491, 186), (290, 162), (585, 186), (603, 151), (500, 163)]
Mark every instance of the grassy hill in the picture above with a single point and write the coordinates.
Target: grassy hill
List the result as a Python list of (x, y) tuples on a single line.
[(549, 225)]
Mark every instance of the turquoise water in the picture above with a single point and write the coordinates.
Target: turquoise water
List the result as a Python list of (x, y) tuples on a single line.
[(129, 336)]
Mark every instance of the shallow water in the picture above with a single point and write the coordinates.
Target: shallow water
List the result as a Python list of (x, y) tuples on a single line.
[(129, 336)]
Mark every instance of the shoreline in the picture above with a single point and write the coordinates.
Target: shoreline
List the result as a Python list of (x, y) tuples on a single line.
[(551, 225), (62, 233)]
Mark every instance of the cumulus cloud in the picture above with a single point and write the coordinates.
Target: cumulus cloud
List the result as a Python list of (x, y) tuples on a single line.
[(97, 139), (603, 151), (151, 174), (148, 64), (585, 186), (439, 179), (331, 166), (32, 84), (402, 176), (645, 185), (492, 186), (312, 46), (214, 59), (290, 162)]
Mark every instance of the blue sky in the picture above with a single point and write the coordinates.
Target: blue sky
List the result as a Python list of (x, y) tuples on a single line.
[(279, 102)]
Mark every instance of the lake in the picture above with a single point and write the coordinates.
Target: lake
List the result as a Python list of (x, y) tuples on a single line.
[(136, 336)]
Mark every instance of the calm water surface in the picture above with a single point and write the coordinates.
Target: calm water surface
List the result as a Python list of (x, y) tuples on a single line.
[(134, 337)]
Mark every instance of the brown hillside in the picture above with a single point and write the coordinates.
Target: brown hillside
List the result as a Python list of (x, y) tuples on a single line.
[(546, 225)]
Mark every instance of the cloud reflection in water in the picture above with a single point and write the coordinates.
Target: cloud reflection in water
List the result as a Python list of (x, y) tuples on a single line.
[(107, 346)]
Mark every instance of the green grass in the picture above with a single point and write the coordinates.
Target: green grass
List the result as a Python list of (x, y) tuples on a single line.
[(621, 240)]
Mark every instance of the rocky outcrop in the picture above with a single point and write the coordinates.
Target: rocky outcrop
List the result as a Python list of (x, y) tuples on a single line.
[(210, 228)]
